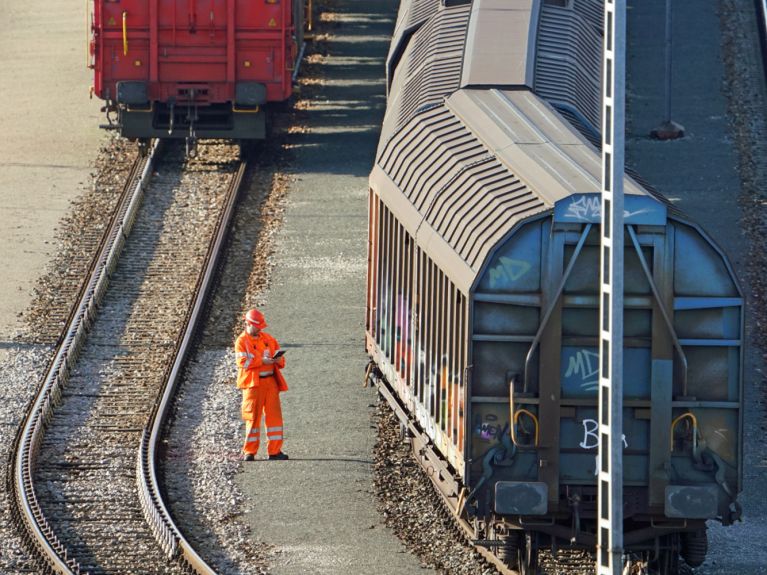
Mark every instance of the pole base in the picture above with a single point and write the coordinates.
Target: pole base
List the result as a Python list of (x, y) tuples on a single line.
[(668, 130)]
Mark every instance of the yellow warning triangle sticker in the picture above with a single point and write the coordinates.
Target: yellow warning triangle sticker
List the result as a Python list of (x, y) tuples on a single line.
[(272, 23), (111, 21)]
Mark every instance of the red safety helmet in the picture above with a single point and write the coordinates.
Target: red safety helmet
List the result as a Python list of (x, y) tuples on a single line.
[(255, 318)]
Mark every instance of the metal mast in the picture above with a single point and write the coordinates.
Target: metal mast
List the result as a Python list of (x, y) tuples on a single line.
[(610, 459), (668, 129)]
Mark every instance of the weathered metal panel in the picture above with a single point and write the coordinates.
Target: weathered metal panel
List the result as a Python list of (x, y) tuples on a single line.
[(692, 502), (698, 388), (421, 10), (583, 208), (471, 190), (696, 258), (159, 43), (568, 60), (429, 67), (449, 261), (507, 28), (448, 176), (520, 498), (411, 15), (534, 142)]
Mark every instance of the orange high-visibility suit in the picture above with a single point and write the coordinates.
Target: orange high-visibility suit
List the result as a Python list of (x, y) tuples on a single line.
[(261, 385)]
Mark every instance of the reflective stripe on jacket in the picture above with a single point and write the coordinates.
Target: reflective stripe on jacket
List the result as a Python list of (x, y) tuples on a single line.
[(249, 354)]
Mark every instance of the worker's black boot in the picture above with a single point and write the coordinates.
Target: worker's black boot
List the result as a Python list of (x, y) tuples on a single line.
[(279, 455)]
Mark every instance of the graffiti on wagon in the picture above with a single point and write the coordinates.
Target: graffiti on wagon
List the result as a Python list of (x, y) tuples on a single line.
[(583, 369), (587, 208)]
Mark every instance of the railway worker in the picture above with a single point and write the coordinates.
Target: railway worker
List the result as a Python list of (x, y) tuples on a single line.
[(259, 376)]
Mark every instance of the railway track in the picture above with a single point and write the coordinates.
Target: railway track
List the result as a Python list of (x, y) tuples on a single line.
[(85, 488)]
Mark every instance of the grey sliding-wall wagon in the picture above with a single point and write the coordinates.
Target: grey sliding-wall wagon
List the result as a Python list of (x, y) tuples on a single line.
[(482, 315)]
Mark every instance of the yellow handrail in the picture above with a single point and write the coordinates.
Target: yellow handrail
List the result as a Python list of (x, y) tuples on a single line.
[(125, 33), (514, 416), (514, 424), (694, 429)]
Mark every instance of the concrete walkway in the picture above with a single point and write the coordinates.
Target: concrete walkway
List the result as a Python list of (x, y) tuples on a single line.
[(699, 174), (49, 138), (318, 508)]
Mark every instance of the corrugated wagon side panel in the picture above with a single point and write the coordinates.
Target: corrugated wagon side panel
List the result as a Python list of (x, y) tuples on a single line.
[(417, 324)]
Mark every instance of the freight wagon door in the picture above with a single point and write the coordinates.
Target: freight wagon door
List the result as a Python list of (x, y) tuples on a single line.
[(646, 344), (122, 45), (536, 358), (190, 42)]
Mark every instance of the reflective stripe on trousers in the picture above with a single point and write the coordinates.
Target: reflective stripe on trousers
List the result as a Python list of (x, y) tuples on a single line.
[(274, 433)]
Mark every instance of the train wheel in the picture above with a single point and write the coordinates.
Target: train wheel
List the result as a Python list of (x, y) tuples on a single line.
[(527, 554)]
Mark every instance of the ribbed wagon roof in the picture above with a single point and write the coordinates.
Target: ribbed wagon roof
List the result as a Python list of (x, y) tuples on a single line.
[(430, 67), (460, 176), (467, 149), (568, 58), (440, 46), (500, 45), (412, 14), (419, 11)]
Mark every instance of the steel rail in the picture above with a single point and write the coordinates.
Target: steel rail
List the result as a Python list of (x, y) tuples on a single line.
[(761, 17), (27, 445), (425, 461), (155, 511)]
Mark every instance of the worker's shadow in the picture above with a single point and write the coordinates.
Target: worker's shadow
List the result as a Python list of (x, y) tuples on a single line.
[(333, 459)]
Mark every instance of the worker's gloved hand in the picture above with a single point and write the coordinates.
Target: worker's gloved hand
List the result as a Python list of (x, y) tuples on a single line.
[(267, 359)]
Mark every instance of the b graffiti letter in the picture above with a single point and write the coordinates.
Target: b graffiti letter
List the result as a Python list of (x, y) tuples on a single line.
[(590, 427)]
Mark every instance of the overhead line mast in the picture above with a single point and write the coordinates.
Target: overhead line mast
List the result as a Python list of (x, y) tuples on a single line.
[(610, 460)]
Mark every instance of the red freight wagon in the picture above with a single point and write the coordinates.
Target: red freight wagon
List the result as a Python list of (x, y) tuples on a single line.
[(194, 68)]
